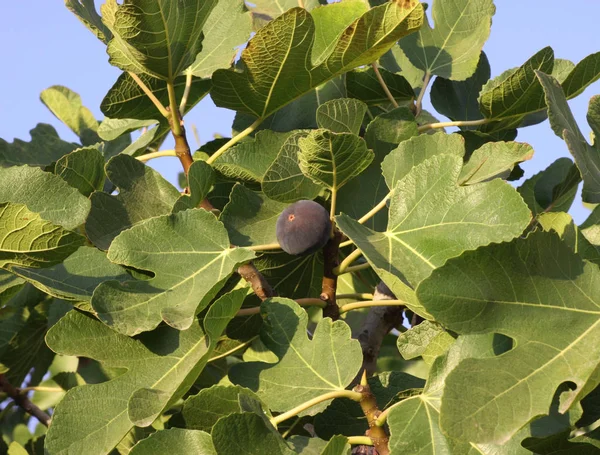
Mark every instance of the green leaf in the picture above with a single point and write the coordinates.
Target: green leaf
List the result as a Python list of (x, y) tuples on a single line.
[(126, 100), (586, 72), (203, 410), (183, 274), (175, 440), (515, 93), (201, 178), (30, 241), (249, 160), (563, 225), (82, 169), (143, 193), (332, 159), (388, 130), (416, 150), (44, 149), (306, 368), (452, 48), (534, 279), (76, 277), (112, 128), (44, 193), (457, 100), (344, 115), (284, 181), (228, 26), (85, 10), (494, 160), (591, 227), (22, 329), (66, 105), (364, 85), (166, 361), (275, 9), (268, 85), (553, 189), (250, 217), (564, 125), (16, 449), (160, 39), (295, 277), (248, 434), (432, 219), (417, 341)]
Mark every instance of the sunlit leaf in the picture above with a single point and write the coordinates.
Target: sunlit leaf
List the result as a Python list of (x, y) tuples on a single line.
[(82, 169)]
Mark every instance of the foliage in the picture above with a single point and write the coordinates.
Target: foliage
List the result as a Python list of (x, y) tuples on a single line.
[(140, 318)]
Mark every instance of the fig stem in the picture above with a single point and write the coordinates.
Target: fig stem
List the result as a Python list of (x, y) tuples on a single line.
[(163, 110), (419, 102), (431, 126), (186, 92), (371, 213), (354, 296), (234, 140), (358, 305), (384, 85), (356, 268), (356, 396), (152, 155), (360, 440), (340, 269), (265, 247)]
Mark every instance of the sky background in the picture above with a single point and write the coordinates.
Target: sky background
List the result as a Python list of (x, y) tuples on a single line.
[(43, 44)]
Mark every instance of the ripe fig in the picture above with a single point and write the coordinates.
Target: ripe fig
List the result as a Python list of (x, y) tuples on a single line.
[(303, 228)]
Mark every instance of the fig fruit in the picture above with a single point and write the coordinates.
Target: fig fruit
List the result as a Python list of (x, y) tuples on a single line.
[(303, 228)]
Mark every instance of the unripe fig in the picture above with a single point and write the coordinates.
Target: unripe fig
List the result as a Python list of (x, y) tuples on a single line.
[(303, 228)]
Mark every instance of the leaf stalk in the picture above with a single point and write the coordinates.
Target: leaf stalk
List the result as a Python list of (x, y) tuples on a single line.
[(234, 140)]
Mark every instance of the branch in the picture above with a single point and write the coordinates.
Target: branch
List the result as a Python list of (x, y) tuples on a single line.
[(23, 402), (260, 285), (360, 440), (186, 92), (379, 321), (431, 126), (355, 296), (182, 148), (370, 409), (419, 103), (329, 282), (355, 268), (265, 247), (376, 209), (356, 396), (163, 110), (347, 261), (384, 85)]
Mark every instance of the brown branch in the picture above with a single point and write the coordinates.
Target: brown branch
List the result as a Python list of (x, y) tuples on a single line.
[(370, 409), (182, 147), (379, 321), (22, 401), (329, 283)]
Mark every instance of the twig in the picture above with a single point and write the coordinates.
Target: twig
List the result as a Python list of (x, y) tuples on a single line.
[(182, 148), (384, 85), (234, 140), (419, 103), (152, 155), (186, 92), (371, 213), (163, 110), (347, 261), (431, 126), (362, 296), (356, 396), (355, 268), (23, 402), (260, 285), (329, 282), (301, 3), (302, 302), (41, 389), (370, 409), (265, 247), (360, 440)]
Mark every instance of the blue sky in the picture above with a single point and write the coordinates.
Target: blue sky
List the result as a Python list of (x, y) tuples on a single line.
[(43, 44)]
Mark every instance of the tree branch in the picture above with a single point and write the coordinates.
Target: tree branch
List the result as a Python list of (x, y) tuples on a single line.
[(23, 402), (419, 102), (379, 321), (370, 409), (329, 283)]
